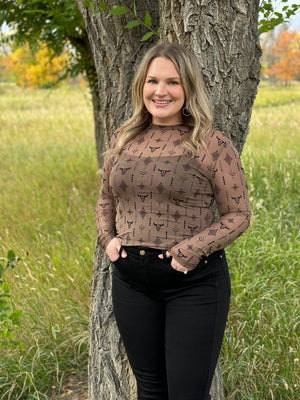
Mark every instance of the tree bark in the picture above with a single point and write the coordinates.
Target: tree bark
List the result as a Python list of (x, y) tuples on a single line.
[(117, 52), (224, 36), (83, 47)]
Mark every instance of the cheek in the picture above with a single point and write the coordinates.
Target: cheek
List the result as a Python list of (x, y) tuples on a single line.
[(182, 95), (146, 91), (144, 95), (146, 98)]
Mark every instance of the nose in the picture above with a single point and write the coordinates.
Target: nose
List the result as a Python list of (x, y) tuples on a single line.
[(160, 89)]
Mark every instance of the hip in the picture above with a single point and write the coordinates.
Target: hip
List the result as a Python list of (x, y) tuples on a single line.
[(143, 267)]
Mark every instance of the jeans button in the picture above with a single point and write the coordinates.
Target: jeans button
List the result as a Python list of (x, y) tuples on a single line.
[(142, 252)]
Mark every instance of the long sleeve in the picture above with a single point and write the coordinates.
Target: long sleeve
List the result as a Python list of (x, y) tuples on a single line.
[(231, 196), (105, 208), (154, 194)]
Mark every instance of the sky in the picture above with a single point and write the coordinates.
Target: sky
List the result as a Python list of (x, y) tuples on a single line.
[(294, 21)]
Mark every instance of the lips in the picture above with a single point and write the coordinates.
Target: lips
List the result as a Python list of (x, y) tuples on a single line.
[(162, 102)]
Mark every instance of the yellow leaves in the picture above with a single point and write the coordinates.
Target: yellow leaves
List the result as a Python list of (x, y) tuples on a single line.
[(40, 69), (287, 52), (67, 394)]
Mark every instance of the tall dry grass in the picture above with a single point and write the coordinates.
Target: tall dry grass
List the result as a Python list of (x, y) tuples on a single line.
[(48, 189)]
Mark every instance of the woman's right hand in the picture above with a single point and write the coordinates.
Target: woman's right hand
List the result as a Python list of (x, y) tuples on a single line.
[(113, 248)]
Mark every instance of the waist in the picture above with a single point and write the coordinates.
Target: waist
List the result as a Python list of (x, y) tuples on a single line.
[(141, 251)]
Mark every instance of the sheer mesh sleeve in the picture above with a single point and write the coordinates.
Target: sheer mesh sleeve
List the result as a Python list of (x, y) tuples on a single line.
[(231, 196), (105, 208)]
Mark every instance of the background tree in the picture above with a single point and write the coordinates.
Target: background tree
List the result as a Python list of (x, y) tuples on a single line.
[(274, 13), (286, 52), (224, 37), (58, 24), (222, 22), (268, 57), (35, 69)]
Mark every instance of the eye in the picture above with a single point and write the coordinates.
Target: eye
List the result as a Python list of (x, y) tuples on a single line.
[(151, 81), (173, 83)]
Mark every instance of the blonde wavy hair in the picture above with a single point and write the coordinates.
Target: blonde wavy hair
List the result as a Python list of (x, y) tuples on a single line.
[(197, 115)]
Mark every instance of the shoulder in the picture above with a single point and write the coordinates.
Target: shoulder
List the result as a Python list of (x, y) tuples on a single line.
[(219, 149), (216, 141), (218, 144), (114, 139)]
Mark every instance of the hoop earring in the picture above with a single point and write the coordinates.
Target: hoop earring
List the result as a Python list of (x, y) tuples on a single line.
[(185, 112)]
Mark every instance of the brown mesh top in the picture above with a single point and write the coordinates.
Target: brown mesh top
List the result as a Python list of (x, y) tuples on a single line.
[(155, 195)]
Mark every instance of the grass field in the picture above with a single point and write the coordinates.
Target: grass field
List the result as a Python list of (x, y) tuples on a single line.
[(48, 190)]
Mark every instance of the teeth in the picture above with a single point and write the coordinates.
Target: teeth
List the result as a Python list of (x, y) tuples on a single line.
[(162, 102)]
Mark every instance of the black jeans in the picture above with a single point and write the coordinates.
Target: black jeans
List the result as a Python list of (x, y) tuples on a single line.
[(172, 324)]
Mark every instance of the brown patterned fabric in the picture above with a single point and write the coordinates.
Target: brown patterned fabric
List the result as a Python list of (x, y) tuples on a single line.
[(155, 195)]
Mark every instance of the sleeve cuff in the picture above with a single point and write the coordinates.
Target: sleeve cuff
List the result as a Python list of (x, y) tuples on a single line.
[(185, 258)]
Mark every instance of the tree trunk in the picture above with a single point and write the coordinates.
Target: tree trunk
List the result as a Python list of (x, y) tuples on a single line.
[(83, 47), (224, 36), (117, 52), (92, 78)]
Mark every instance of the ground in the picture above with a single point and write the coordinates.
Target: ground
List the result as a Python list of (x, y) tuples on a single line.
[(74, 387)]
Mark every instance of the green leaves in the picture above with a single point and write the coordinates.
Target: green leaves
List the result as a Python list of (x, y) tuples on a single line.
[(147, 36), (133, 23), (5, 287), (118, 10), (148, 21), (10, 319), (2, 269), (10, 254), (88, 3), (103, 5), (11, 260), (115, 10), (272, 18)]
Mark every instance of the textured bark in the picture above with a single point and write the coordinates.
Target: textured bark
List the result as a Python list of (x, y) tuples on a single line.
[(109, 374), (117, 53), (92, 78), (224, 36)]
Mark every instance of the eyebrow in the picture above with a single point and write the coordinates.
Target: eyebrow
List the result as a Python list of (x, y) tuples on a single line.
[(175, 77)]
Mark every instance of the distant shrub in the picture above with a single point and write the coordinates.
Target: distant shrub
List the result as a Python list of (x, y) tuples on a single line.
[(9, 318)]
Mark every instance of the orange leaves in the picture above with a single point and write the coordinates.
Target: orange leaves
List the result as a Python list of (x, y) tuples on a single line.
[(286, 50), (39, 69)]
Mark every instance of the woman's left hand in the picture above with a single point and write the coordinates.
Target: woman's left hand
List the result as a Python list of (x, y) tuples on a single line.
[(174, 264)]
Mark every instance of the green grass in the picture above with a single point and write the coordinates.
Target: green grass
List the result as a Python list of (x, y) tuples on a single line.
[(48, 190), (260, 359)]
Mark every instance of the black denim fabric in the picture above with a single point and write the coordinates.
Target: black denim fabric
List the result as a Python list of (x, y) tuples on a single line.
[(172, 323)]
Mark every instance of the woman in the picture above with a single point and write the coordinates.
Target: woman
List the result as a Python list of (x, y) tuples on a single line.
[(164, 170)]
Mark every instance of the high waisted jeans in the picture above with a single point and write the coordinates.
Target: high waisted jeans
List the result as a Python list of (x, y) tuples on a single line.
[(172, 324)]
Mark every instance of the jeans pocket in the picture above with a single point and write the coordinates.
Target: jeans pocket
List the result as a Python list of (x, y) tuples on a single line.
[(221, 267), (131, 269), (120, 251)]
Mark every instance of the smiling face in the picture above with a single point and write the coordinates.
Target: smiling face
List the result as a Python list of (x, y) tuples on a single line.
[(163, 93)]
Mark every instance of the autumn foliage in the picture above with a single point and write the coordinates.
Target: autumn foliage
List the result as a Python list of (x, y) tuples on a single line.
[(34, 69), (286, 57)]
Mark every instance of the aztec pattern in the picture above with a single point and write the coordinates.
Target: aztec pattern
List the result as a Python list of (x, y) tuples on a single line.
[(156, 195)]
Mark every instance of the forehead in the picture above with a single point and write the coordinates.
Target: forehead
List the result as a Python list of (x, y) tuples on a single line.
[(161, 66)]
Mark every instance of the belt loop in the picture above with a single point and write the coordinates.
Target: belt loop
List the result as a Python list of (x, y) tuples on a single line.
[(164, 253)]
